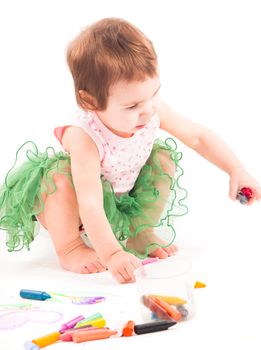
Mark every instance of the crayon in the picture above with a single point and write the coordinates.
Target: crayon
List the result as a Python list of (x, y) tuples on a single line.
[(28, 345), (71, 323), (68, 336), (128, 329), (80, 337), (47, 339), (99, 322), (153, 327), (172, 300), (199, 284), (34, 294), (159, 311), (149, 260), (171, 311), (90, 318), (72, 329)]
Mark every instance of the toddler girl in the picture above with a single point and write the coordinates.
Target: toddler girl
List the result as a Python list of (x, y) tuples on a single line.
[(110, 198)]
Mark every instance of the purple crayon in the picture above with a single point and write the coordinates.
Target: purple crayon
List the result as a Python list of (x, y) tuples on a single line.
[(70, 324)]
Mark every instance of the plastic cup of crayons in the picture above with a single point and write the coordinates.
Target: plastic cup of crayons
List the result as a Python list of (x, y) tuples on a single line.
[(165, 290)]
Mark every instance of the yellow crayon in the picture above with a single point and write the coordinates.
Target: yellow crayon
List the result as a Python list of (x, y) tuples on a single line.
[(169, 299), (99, 323), (47, 339), (199, 284)]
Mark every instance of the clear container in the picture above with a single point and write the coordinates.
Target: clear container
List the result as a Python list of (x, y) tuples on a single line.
[(165, 290)]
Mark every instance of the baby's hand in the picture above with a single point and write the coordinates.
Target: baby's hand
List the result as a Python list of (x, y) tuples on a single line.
[(239, 179), (122, 265)]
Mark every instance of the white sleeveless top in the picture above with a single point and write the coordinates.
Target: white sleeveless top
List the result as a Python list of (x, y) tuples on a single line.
[(121, 158)]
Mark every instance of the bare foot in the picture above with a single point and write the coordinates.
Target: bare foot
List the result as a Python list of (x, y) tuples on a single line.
[(140, 242), (81, 259)]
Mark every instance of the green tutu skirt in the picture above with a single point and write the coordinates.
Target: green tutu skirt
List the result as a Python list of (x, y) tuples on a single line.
[(145, 215)]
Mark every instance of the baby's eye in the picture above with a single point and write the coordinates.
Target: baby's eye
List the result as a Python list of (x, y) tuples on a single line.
[(132, 107)]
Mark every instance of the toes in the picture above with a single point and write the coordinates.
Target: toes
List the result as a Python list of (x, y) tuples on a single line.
[(100, 267), (85, 269), (171, 250), (160, 253)]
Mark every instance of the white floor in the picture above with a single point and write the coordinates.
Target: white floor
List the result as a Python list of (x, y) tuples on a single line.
[(224, 250), (210, 70)]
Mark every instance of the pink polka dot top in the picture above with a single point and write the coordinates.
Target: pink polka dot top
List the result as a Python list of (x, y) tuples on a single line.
[(121, 158)]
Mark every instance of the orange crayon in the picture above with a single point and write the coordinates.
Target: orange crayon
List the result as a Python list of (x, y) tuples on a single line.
[(156, 308), (47, 339), (128, 329), (93, 335), (170, 310)]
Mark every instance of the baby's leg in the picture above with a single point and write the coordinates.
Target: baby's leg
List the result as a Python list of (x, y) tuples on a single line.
[(61, 218), (140, 242)]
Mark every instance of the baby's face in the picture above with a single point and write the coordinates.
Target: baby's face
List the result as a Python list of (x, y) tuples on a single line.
[(131, 106)]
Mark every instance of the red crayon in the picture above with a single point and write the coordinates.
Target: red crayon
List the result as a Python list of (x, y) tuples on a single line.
[(128, 329)]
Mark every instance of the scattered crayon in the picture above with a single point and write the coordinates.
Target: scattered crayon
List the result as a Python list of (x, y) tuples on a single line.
[(153, 327), (128, 329), (34, 294), (199, 285), (47, 339), (71, 323), (68, 336), (93, 335)]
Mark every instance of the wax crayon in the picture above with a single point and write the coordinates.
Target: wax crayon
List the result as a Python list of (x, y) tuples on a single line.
[(149, 260), (68, 336), (47, 339), (78, 328), (153, 327), (171, 310), (172, 300), (34, 294), (93, 335), (28, 345), (71, 323), (244, 195), (90, 318), (155, 308), (128, 329), (199, 284)]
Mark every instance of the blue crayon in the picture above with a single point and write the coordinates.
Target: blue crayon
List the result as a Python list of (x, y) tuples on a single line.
[(28, 345), (34, 294)]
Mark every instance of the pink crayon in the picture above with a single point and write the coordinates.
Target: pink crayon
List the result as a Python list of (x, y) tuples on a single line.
[(68, 336), (70, 324), (149, 260)]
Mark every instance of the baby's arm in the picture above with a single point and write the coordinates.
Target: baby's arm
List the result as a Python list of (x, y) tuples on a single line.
[(85, 168), (210, 146)]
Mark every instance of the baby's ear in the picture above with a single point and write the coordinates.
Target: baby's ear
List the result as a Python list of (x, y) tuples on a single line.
[(86, 101)]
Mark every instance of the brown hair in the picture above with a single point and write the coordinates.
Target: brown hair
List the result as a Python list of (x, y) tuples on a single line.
[(104, 53)]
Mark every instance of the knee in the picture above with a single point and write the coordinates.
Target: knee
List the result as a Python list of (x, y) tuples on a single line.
[(63, 184), (167, 164)]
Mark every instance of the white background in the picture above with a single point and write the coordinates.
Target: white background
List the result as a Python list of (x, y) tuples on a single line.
[(209, 55)]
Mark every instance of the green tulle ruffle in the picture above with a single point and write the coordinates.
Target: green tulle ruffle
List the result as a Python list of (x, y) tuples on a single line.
[(146, 213)]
